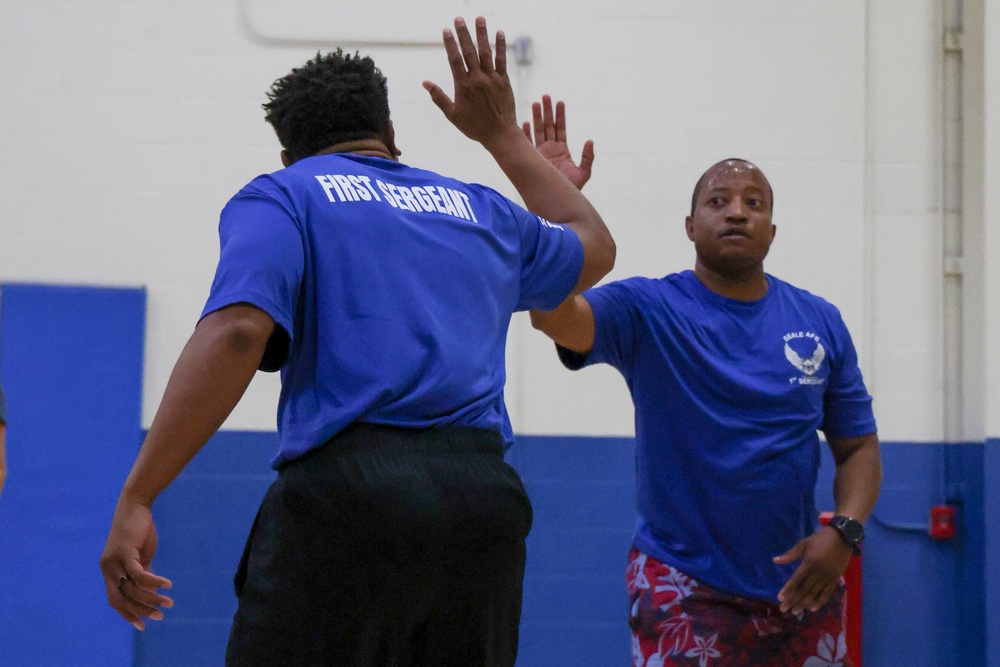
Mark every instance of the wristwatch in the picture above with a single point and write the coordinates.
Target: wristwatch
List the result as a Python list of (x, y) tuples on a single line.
[(851, 531)]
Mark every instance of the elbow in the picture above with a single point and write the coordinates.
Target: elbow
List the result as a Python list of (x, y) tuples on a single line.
[(537, 320), (599, 259), (246, 336), (242, 329), (604, 251), (610, 254)]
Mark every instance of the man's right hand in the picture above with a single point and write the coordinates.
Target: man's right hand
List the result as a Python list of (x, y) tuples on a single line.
[(550, 140), (130, 584), (483, 108), (484, 111)]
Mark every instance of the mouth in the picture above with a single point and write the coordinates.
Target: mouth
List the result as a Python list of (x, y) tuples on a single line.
[(734, 231)]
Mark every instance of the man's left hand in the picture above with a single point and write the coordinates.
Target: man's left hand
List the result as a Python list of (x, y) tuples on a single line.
[(824, 556), (550, 139)]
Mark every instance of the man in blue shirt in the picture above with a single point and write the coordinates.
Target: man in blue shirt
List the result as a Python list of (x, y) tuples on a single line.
[(732, 372), (394, 533)]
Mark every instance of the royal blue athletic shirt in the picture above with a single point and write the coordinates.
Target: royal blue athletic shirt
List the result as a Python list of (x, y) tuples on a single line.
[(728, 396), (394, 287)]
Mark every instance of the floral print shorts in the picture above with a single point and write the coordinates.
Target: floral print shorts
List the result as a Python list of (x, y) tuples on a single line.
[(679, 622)]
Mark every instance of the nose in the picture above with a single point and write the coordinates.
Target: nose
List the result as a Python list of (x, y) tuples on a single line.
[(736, 211)]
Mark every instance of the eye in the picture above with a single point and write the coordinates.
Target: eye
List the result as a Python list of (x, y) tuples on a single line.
[(754, 202), (716, 201)]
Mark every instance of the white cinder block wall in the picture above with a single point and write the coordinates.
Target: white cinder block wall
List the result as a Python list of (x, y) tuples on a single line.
[(126, 125)]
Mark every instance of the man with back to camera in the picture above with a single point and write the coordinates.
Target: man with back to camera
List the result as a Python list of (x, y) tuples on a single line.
[(394, 533), (731, 371)]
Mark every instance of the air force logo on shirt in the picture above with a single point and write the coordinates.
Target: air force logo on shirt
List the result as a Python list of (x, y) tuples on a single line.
[(806, 356)]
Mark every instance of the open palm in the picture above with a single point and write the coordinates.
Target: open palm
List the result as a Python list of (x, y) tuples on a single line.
[(549, 137)]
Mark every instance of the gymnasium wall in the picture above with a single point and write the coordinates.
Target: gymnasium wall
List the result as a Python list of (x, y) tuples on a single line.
[(990, 305), (151, 112), (128, 124)]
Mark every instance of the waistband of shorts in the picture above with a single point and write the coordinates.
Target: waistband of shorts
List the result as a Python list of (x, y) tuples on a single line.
[(444, 441)]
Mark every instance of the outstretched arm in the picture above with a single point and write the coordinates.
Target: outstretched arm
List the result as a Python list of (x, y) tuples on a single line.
[(824, 554), (483, 109), (571, 324), (207, 382)]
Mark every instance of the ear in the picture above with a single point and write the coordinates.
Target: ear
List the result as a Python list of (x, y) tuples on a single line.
[(689, 227), (286, 160), (389, 138), (774, 231)]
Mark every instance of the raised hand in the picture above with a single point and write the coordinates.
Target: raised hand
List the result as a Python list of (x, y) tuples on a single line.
[(483, 108), (550, 140)]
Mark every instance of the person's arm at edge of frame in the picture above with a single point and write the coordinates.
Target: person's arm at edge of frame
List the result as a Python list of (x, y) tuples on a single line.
[(208, 380), (484, 111), (825, 556)]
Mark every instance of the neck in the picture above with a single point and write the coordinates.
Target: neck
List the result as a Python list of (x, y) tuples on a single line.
[(370, 147), (749, 285)]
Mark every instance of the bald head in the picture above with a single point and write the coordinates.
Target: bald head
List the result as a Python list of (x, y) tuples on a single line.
[(733, 165)]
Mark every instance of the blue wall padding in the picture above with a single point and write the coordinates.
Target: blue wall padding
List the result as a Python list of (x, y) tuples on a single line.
[(923, 599), (203, 519), (967, 491), (575, 605), (991, 537), (71, 363)]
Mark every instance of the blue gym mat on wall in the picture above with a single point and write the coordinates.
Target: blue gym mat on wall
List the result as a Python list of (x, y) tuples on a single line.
[(71, 366), (71, 363)]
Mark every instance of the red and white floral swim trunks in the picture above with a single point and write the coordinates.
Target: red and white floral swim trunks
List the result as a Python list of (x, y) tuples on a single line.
[(679, 622)]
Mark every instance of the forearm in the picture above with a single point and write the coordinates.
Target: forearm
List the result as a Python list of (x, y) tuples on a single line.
[(543, 188), (207, 382), (548, 193), (858, 478), (547, 321), (571, 324)]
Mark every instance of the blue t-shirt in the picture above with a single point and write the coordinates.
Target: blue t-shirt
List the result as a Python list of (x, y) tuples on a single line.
[(393, 288), (3, 408), (728, 397)]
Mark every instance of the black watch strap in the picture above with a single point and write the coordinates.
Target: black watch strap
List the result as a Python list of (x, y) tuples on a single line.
[(851, 531)]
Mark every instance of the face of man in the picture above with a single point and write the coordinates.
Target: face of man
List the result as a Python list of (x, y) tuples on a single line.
[(731, 223)]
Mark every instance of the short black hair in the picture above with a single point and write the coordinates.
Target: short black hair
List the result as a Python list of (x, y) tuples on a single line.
[(701, 181), (333, 98)]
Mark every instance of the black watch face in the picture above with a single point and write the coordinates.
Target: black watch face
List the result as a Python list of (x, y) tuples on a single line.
[(852, 530)]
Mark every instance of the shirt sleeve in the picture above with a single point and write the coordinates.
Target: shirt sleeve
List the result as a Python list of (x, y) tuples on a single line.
[(551, 260), (261, 263), (615, 315), (847, 406)]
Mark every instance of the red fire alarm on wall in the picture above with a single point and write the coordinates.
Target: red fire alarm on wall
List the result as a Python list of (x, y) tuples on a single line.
[(942, 522)]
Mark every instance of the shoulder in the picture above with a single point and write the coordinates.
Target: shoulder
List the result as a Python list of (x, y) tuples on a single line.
[(502, 205), (667, 288), (275, 186), (639, 290), (808, 309), (804, 297)]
